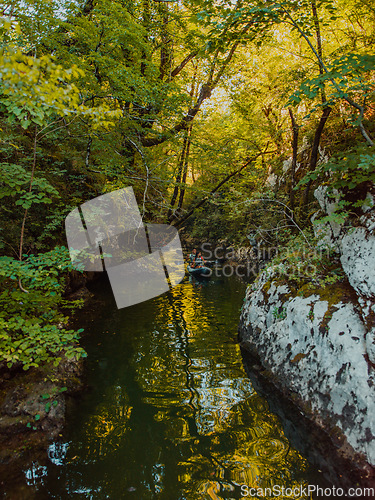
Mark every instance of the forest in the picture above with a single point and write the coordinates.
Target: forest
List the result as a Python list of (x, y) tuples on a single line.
[(224, 117)]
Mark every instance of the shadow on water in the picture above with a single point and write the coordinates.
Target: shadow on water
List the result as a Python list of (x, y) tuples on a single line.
[(312, 441), (171, 414)]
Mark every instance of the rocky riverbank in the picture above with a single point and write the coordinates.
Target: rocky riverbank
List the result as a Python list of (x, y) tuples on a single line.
[(317, 345), (33, 403), (32, 412)]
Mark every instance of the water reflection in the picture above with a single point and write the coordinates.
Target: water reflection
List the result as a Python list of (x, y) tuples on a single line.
[(172, 414)]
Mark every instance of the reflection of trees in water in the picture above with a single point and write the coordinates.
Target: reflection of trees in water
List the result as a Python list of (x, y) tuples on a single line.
[(108, 424), (224, 431), (177, 418)]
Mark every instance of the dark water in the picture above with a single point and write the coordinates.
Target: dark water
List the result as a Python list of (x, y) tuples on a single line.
[(171, 414)]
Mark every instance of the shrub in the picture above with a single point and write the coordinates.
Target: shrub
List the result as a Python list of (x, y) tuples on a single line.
[(31, 324)]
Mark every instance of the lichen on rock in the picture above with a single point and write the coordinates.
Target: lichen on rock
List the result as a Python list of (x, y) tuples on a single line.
[(321, 350)]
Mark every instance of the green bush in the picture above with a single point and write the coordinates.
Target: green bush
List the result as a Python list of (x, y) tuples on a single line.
[(314, 266), (346, 171), (31, 323)]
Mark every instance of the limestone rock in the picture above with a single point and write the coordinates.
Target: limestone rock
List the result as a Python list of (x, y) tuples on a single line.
[(319, 348), (317, 351), (358, 260)]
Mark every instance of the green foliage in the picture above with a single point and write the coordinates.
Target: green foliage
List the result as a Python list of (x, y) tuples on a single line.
[(53, 393), (34, 89), (308, 267), (349, 74), (279, 313), (344, 173), (31, 325), (348, 169), (52, 402), (99, 86), (15, 183)]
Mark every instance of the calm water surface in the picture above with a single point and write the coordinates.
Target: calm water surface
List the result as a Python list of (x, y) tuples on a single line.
[(171, 414)]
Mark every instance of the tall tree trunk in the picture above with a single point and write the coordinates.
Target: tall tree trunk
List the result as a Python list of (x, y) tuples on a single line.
[(318, 45), (166, 52), (185, 169), (26, 210), (314, 153), (294, 159), (204, 93), (178, 222), (183, 164), (326, 110), (180, 168), (344, 95)]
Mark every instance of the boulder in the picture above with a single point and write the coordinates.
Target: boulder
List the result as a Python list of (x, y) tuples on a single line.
[(317, 345)]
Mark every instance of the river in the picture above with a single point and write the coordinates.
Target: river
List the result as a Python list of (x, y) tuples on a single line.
[(171, 413)]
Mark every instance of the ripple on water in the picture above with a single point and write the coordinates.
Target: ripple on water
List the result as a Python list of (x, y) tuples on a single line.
[(171, 414)]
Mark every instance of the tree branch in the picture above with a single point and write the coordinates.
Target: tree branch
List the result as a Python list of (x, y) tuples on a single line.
[(178, 222), (181, 66), (205, 92), (26, 210), (332, 80)]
